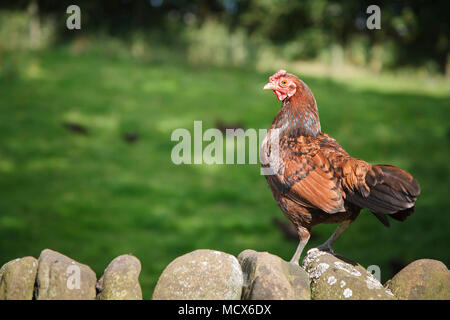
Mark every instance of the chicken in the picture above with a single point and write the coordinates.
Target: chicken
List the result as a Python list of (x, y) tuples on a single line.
[(313, 179)]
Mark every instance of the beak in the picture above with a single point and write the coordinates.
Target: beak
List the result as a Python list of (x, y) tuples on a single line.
[(269, 86)]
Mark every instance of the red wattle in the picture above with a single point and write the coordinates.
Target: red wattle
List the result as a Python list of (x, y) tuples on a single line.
[(280, 95)]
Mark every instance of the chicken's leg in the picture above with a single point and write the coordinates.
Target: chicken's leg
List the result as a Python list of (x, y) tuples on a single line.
[(303, 234), (328, 245)]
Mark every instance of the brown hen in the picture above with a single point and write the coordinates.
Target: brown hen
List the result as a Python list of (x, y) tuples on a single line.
[(314, 180)]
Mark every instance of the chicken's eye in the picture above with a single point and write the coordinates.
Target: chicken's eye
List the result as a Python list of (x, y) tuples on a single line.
[(283, 82)]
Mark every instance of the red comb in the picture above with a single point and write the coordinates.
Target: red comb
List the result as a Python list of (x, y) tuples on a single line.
[(277, 74)]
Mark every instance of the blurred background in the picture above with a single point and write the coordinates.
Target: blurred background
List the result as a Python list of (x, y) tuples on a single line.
[(87, 116)]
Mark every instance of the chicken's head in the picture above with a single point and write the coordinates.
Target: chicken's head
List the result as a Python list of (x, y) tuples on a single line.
[(282, 84)]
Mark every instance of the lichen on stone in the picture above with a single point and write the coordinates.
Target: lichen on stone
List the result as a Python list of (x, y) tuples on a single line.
[(316, 272), (348, 293), (347, 268), (332, 280)]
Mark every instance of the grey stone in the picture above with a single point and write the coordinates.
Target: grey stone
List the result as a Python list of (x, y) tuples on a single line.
[(61, 278), (201, 275), (336, 278), (120, 280), (268, 277), (423, 279), (17, 279)]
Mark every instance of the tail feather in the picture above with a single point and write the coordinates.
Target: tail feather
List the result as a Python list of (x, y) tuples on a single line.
[(402, 215), (400, 181), (393, 192), (382, 218)]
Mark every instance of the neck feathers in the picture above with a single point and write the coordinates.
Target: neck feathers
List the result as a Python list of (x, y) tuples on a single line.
[(299, 115)]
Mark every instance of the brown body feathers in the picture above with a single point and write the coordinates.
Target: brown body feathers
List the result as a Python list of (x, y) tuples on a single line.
[(317, 181)]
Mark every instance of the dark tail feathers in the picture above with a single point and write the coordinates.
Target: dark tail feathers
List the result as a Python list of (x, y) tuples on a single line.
[(393, 191)]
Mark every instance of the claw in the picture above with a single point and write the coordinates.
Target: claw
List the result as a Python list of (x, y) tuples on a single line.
[(294, 262), (326, 247)]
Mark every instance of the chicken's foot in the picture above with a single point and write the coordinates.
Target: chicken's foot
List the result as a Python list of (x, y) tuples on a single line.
[(304, 237), (328, 245)]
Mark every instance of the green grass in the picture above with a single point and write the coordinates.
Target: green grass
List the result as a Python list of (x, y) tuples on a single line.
[(93, 197)]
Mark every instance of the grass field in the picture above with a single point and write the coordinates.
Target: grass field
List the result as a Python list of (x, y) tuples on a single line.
[(92, 195)]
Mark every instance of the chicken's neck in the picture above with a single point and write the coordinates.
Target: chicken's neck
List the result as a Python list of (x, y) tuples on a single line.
[(298, 116)]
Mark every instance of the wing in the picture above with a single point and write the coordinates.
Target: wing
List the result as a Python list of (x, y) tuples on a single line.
[(308, 176), (383, 189), (351, 172)]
